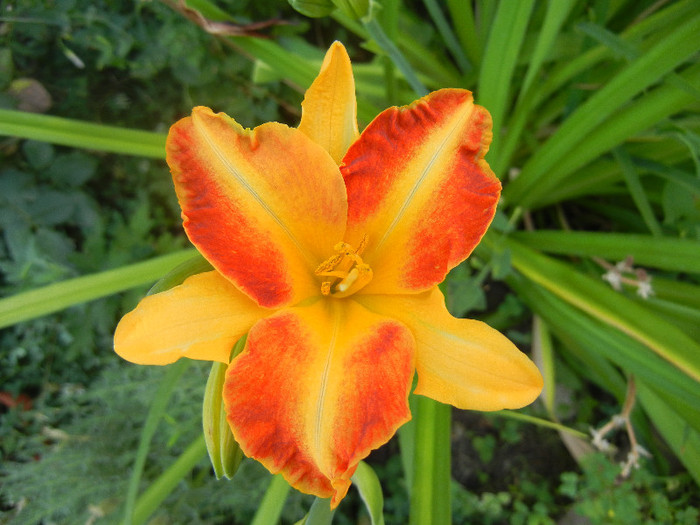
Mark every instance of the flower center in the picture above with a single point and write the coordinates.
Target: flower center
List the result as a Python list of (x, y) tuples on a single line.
[(344, 273)]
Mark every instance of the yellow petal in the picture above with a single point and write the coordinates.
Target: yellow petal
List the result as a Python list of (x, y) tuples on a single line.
[(329, 109), (201, 319), (263, 206), (462, 362), (316, 389), (420, 190)]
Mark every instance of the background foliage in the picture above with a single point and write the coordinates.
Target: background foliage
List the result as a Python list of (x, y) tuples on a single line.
[(592, 263)]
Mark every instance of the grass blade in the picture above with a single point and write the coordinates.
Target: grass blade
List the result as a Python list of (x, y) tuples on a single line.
[(681, 255), (384, 42), (673, 50), (636, 191), (148, 503), (501, 54), (590, 341), (270, 508), (448, 35), (684, 441), (54, 297), (608, 306), (367, 483), (75, 133), (465, 29), (155, 414), (553, 21)]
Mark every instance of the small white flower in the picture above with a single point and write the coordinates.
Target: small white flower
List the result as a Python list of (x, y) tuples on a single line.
[(644, 289), (614, 278)]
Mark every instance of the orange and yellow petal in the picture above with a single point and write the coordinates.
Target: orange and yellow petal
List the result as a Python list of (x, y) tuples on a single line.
[(329, 109), (264, 206), (462, 362), (316, 389), (419, 188), (201, 319)]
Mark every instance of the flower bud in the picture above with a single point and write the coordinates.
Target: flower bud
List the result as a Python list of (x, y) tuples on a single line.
[(224, 452), (313, 8), (355, 9)]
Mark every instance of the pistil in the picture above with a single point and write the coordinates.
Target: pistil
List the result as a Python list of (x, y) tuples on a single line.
[(347, 271)]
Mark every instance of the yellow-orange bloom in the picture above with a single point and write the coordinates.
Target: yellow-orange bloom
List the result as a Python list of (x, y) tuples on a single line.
[(328, 246)]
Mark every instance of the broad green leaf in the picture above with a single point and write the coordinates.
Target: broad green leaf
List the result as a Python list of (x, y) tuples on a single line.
[(677, 291), (447, 34), (660, 23), (68, 132), (313, 8), (553, 21), (367, 483), (500, 57), (684, 441), (636, 191), (656, 105), (598, 300), (462, 15), (319, 514), (546, 163), (209, 10), (57, 296), (593, 343), (682, 255), (182, 271), (684, 317)]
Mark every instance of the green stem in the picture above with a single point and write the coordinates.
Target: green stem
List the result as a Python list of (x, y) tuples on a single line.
[(430, 494), (390, 19), (270, 508), (155, 414), (168, 480), (383, 41)]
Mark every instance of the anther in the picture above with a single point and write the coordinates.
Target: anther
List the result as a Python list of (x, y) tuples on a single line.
[(349, 272), (329, 264)]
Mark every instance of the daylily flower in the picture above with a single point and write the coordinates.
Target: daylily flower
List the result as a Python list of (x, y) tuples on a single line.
[(327, 248)]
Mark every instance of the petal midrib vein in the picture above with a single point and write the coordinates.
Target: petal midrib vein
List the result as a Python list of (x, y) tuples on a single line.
[(320, 404), (423, 176), (230, 168)]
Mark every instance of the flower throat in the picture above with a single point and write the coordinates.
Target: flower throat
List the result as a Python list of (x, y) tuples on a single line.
[(345, 272)]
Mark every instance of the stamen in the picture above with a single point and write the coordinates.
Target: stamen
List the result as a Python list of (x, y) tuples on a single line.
[(362, 245), (348, 269), (329, 264)]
